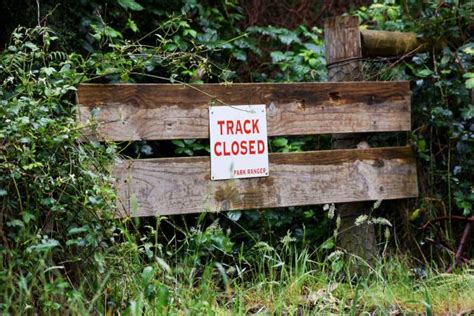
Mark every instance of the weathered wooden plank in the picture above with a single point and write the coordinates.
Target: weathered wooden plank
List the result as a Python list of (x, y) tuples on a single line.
[(182, 185), (165, 111)]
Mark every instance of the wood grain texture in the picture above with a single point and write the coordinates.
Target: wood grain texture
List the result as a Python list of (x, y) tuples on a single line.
[(165, 111), (343, 48), (182, 185)]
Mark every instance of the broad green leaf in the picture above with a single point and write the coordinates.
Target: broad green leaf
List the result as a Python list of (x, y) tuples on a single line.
[(337, 266), (189, 141), (147, 274), (280, 142), (178, 143), (130, 4), (78, 230), (328, 244), (470, 83), (234, 215), (424, 73), (277, 56), (44, 246), (240, 55), (15, 223)]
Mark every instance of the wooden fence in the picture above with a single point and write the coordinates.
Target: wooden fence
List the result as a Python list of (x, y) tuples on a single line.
[(147, 187)]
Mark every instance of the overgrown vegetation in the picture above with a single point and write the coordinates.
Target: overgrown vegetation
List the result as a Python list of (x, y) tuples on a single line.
[(63, 252)]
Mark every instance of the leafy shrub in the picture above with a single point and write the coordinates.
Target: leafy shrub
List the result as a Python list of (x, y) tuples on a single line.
[(442, 101), (53, 189)]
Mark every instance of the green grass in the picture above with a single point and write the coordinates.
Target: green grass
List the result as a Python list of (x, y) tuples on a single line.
[(204, 274), (264, 281), (267, 284)]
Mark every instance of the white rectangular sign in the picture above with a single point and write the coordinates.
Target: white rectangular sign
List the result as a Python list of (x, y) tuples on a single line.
[(238, 141)]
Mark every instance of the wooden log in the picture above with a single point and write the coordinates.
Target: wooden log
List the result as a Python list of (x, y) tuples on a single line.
[(164, 111), (384, 43), (165, 186)]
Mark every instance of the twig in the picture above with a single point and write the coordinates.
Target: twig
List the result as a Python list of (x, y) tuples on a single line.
[(38, 12), (462, 244), (445, 218)]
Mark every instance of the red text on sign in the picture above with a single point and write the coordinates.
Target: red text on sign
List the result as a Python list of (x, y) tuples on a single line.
[(230, 127), (243, 147)]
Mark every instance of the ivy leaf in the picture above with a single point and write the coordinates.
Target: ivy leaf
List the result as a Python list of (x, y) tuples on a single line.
[(132, 25), (190, 32), (240, 55), (15, 223), (178, 143), (188, 152), (189, 141), (392, 13), (78, 230), (277, 56), (280, 142), (470, 83), (130, 4), (328, 244), (44, 246), (288, 38), (48, 71), (27, 217), (147, 274), (234, 215), (197, 147), (337, 266), (31, 46), (424, 73), (467, 113)]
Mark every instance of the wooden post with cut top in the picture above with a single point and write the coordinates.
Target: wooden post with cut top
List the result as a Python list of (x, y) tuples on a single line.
[(343, 54)]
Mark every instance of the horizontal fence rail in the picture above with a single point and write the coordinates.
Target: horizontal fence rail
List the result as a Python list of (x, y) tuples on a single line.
[(130, 112), (165, 186)]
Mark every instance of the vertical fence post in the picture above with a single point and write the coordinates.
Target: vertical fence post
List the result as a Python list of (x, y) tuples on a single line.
[(343, 53)]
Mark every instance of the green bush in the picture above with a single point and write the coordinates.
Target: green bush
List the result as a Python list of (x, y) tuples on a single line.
[(54, 190), (442, 104)]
